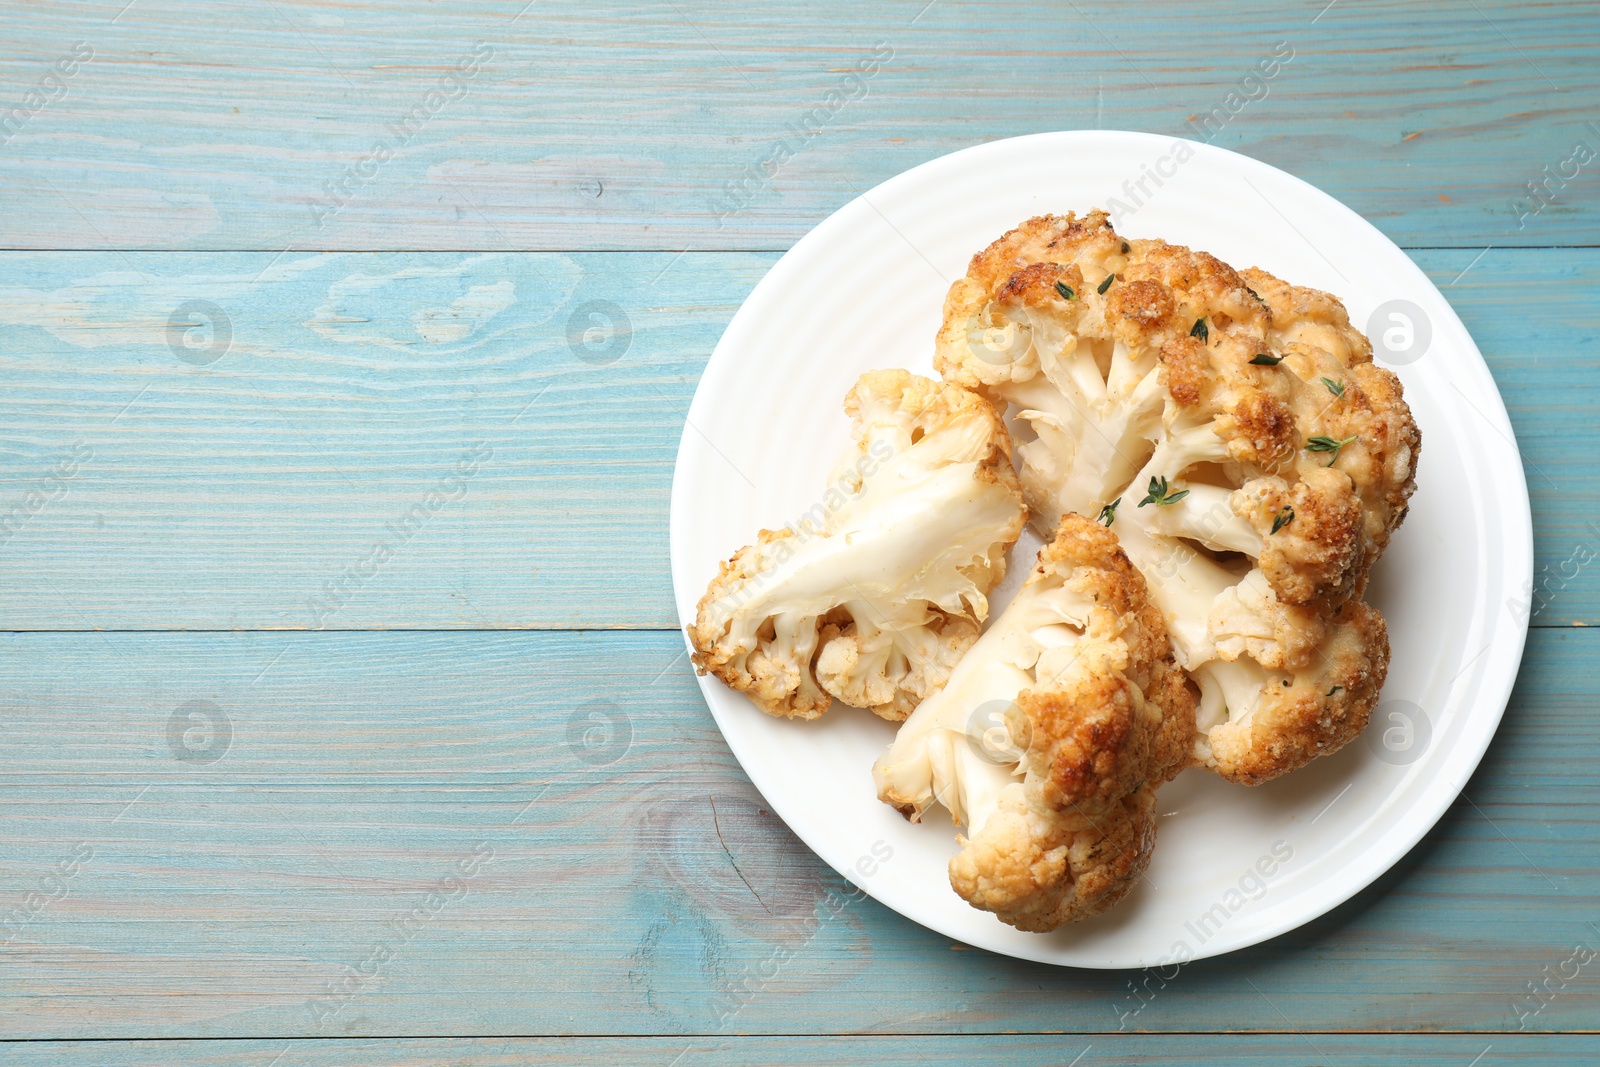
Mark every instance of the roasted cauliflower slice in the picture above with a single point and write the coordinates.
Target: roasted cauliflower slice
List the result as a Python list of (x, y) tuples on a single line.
[(1077, 676), (873, 596), (1235, 433)]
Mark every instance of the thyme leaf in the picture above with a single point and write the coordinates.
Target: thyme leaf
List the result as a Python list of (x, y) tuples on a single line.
[(1323, 443), (1160, 496)]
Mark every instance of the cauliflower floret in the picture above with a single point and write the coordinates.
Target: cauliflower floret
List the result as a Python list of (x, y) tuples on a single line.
[(1262, 715), (1037, 870), (1155, 340), (1059, 815), (1237, 436), (1314, 331), (872, 597)]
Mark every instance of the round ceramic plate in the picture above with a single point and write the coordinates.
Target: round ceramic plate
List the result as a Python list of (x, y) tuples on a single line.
[(1233, 866)]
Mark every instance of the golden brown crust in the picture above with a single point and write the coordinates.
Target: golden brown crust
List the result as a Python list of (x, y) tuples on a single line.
[(1092, 743), (1085, 546), (1317, 547), (963, 304), (1260, 431), (1313, 329), (1107, 860), (1173, 749), (1383, 465), (1035, 284), (1142, 304), (1109, 725), (1039, 874), (1319, 713), (1186, 369), (1104, 729), (1044, 239)]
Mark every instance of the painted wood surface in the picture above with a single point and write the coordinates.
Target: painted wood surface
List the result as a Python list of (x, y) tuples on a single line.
[(464, 440), (1122, 1050), (446, 278), (674, 124), (238, 835), (240, 435)]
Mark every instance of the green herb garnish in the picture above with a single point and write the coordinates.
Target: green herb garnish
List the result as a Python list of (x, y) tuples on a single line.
[(1159, 496), (1108, 514), (1322, 443), (1283, 518), (1065, 290), (1200, 330), (1266, 359), (1336, 388), (1106, 284), (1335, 689)]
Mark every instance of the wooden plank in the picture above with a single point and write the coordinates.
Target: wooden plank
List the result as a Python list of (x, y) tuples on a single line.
[(229, 494), (1549, 377), (657, 127), (459, 440), (271, 877), (1101, 1050)]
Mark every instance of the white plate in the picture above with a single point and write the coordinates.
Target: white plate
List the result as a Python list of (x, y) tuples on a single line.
[(864, 290)]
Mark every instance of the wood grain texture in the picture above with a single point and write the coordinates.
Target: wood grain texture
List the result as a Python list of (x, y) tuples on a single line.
[(398, 440), (650, 126), (275, 881), (309, 843), (232, 494), (1101, 1050)]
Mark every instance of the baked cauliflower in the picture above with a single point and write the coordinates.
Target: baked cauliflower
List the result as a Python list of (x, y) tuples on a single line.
[(872, 597), (1077, 677), (1234, 432)]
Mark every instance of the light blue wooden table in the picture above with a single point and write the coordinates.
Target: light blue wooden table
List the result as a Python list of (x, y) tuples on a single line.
[(284, 281)]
